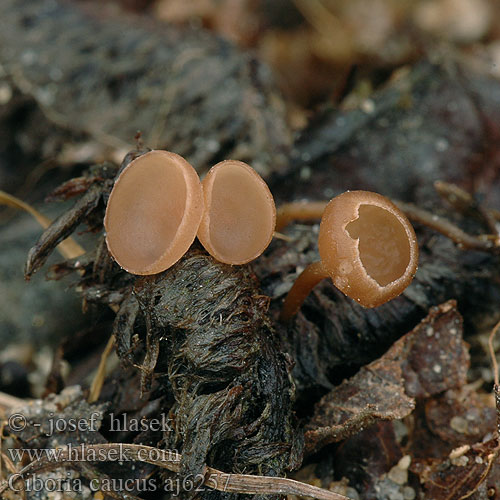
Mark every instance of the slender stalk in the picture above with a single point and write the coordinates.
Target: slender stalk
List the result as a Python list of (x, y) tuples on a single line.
[(299, 210), (308, 279)]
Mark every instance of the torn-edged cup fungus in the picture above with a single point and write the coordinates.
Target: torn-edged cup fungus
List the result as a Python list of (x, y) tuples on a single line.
[(240, 216), (367, 246), (153, 213)]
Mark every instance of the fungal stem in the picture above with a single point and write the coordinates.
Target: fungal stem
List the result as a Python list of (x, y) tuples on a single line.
[(306, 281), (299, 210)]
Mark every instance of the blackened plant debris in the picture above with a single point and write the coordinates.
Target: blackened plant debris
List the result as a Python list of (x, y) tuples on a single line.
[(213, 478), (426, 361), (426, 125), (332, 333), (97, 77), (68, 404), (209, 331), (77, 449), (468, 472), (67, 223), (89, 209), (202, 328)]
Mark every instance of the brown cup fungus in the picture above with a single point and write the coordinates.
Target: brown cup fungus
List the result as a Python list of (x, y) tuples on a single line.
[(368, 248), (153, 212), (240, 215)]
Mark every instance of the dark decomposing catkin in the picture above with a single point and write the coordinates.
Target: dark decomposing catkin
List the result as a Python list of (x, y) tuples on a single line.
[(202, 330), (233, 391)]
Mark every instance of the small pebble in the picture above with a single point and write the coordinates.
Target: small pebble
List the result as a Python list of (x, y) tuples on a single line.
[(305, 173), (461, 461), (400, 430), (368, 106), (5, 93), (458, 424), (458, 452), (441, 145), (352, 494), (398, 475), (405, 462), (409, 493)]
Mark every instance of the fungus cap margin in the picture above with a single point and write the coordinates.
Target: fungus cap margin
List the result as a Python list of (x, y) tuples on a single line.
[(340, 254), (153, 212)]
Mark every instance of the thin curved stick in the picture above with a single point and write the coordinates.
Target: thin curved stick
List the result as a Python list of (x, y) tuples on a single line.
[(97, 383), (448, 229), (491, 460), (496, 386), (494, 363), (213, 478), (68, 248), (314, 210), (464, 202)]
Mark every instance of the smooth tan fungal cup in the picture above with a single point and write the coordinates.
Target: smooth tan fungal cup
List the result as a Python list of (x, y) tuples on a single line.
[(153, 212), (368, 247), (240, 215)]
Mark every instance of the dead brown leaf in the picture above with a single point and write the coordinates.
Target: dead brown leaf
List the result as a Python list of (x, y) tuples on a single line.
[(427, 361)]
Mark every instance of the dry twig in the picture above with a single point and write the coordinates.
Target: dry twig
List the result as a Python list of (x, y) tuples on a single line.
[(68, 248), (486, 243), (213, 478), (448, 229), (97, 383), (494, 366)]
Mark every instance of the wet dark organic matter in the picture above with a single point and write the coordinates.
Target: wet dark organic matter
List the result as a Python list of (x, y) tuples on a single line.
[(181, 88), (231, 383), (203, 340), (355, 149), (434, 121), (332, 332), (403, 374), (201, 330), (383, 403)]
